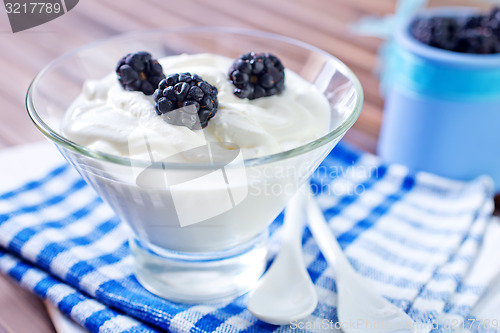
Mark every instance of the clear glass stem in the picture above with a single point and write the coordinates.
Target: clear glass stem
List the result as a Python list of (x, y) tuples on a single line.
[(200, 277)]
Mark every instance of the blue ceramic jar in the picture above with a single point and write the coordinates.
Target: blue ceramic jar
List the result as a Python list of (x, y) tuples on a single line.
[(442, 110)]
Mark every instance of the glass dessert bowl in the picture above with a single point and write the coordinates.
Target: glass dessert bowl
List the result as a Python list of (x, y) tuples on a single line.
[(198, 224)]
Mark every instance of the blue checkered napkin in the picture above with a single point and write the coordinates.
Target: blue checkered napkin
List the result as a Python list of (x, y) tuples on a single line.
[(414, 236)]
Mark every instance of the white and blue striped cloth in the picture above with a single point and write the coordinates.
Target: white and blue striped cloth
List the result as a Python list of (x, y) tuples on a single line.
[(415, 236)]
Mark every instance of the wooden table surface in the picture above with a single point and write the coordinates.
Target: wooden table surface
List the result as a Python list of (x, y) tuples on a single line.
[(323, 23)]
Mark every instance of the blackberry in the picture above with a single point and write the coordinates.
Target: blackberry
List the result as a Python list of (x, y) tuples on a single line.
[(436, 31), (477, 41), (471, 22), (444, 33), (421, 29), (257, 75), (139, 72), (493, 21), (478, 34), (186, 100)]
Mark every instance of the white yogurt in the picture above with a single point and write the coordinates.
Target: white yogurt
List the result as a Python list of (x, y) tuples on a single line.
[(238, 202)]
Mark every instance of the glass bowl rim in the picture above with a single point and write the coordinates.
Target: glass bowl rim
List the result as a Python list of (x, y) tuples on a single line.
[(59, 139)]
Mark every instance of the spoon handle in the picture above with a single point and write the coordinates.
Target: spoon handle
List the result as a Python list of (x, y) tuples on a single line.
[(324, 236), (293, 223)]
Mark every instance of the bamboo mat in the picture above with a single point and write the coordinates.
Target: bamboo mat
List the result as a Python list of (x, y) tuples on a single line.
[(323, 23)]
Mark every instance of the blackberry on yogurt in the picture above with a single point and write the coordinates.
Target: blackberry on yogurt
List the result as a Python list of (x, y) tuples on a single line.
[(139, 72), (257, 75), (186, 99)]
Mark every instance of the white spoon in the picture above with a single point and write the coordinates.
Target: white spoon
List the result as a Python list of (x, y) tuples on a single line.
[(357, 302), (286, 292)]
